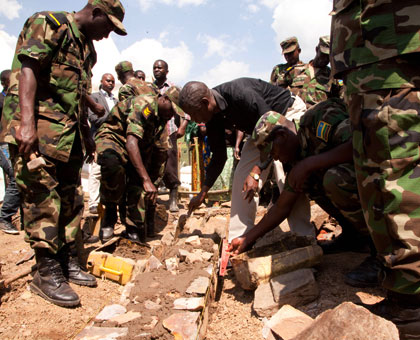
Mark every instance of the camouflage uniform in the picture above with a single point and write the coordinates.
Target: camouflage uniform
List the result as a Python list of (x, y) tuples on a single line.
[(52, 196), (375, 49), (138, 116)]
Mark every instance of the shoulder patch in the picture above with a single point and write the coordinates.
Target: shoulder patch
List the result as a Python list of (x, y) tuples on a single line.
[(323, 130), (147, 111), (56, 19)]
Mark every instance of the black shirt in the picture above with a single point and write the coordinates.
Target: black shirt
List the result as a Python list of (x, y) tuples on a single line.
[(242, 102)]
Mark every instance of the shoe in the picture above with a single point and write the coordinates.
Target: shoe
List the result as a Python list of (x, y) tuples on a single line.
[(401, 309), (173, 200), (108, 222), (150, 221), (344, 243), (367, 274), (50, 283), (135, 234), (72, 269), (8, 228)]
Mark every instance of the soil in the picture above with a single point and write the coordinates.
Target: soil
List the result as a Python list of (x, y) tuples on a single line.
[(24, 315)]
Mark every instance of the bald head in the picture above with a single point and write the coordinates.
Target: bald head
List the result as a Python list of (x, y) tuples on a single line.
[(107, 82)]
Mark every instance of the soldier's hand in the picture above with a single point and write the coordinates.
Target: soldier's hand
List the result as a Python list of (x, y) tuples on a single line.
[(299, 174), (250, 188), (236, 154), (195, 202), (27, 139), (99, 110), (151, 191), (90, 148)]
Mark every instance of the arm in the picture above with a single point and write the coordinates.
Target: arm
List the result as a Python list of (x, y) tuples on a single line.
[(302, 170), (97, 109), (239, 137), (278, 212), (135, 157), (181, 130), (26, 134)]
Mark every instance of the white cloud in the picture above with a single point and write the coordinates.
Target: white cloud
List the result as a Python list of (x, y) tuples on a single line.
[(217, 46), (228, 70), (252, 8), (146, 4), (10, 8), (269, 3), (8, 45), (305, 19)]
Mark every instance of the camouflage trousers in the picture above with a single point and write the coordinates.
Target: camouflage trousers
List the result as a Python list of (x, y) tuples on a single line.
[(386, 140), (52, 199), (335, 191)]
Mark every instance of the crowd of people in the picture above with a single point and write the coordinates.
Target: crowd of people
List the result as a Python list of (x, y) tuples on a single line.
[(346, 138)]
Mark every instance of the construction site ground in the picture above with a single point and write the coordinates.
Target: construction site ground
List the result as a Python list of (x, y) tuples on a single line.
[(24, 315)]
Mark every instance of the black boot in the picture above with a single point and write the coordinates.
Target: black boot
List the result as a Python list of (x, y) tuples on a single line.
[(135, 234), (72, 269), (173, 200), (150, 221), (367, 274), (50, 283), (108, 222)]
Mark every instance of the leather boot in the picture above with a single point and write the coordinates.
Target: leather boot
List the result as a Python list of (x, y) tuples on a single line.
[(367, 274), (108, 222), (150, 221), (135, 234), (50, 283), (72, 269), (173, 200)]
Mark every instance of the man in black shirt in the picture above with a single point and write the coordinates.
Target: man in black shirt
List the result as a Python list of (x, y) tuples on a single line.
[(239, 104)]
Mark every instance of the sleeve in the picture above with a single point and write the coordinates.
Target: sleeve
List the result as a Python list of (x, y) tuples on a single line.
[(138, 114), (273, 77), (216, 137), (38, 40)]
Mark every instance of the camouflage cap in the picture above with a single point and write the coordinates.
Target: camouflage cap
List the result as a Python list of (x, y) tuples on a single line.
[(289, 45), (123, 66), (173, 95), (324, 44), (115, 12)]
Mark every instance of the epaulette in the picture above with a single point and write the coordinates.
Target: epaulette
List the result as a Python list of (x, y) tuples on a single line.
[(56, 19)]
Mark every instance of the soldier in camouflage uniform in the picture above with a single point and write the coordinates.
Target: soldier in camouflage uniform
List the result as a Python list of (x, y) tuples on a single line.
[(45, 113), (375, 49), (113, 165), (318, 159), (291, 74), (132, 148)]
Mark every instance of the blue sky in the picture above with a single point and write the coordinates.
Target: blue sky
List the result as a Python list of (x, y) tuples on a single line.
[(209, 40)]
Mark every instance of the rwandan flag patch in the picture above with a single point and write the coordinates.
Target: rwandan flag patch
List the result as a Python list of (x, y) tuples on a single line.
[(323, 130)]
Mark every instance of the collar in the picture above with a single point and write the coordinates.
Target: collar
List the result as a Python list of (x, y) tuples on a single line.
[(221, 102), (106, 94)]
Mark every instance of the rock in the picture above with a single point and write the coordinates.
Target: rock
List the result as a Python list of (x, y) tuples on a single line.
[(289, 322), (193, 258), (193, 223), (125, 295), (205, 256), (26, 295), (152, 324), (193, 240), (264, 304), (110, 312), (153, 264), (199, 286), (150, 305), (172, 264), (141, 265), (295, 288), (167, 238), (355, 322), (191, 304), (127, 317), (183, 325), (94, 333), (216, 225), (318, 216), (183, 254)]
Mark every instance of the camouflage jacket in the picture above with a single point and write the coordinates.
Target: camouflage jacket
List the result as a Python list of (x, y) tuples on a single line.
[(288, 76), (372, 44), (315, 86), (134, 86), (137, 116), (66, 59), (322, 128)]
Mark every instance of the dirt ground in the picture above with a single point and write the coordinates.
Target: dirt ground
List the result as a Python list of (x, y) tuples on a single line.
[(27, 316)]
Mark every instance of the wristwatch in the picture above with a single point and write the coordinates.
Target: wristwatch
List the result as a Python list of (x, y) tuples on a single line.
[(254, 176)]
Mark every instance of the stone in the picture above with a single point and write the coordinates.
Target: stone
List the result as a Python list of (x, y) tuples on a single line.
[(141, 265), (167, 238), (289, 322), (191, 304), (193, 223), (104, 333), (183, 254), (125, 295), (264, 304), (150, 305), (295, 288), (153, 264), (216, 225), (355, 322), (205, 256), (199, 286), (152, 324), (193, 240), (183, 325), (26, 295), (193, 258), (110, 312), (172, 264), (127, 317)]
